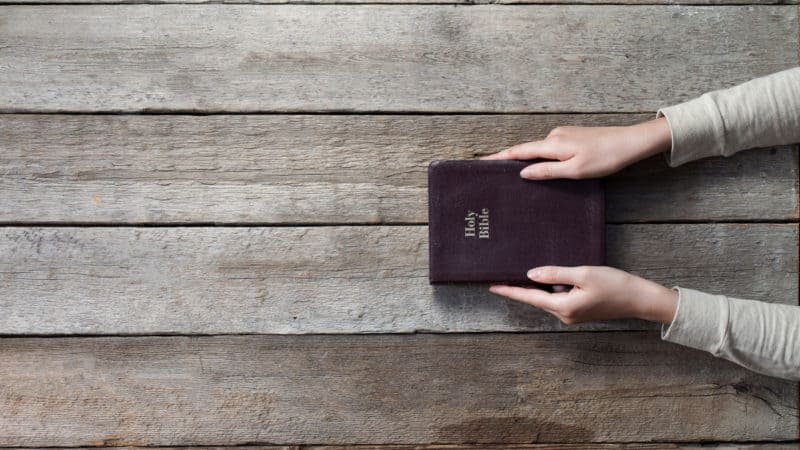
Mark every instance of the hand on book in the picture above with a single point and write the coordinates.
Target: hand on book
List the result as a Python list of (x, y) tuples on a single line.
[(598, 293), (590, 152)]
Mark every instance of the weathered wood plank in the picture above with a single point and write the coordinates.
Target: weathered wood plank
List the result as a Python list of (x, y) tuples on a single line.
[(580, 446), (415, 2), (590, 446), (350, 279), (529, 58), (329, 169), (577, 387), (455, 2)]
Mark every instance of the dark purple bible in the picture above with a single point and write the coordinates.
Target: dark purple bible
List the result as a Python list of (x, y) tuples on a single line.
[(487, 224)]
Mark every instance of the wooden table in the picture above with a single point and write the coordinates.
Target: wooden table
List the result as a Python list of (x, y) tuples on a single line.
[(213, 223)]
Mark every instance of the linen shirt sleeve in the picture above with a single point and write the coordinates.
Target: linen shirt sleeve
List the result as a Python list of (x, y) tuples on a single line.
[(761, 336), (759, 113)]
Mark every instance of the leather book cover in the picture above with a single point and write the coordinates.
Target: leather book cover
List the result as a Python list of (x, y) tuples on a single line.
[(487, 224)]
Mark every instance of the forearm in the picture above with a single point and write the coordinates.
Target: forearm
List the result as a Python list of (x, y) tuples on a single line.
[(761, 336), (646, 139), (759, 113)]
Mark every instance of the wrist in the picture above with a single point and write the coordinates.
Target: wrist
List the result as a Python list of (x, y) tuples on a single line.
[(658, 304), (655, 303), (648, 138)]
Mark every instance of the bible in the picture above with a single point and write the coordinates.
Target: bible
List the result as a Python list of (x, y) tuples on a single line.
[(487, 224)]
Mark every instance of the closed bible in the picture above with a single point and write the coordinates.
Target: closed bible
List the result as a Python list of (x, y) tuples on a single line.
[(488, 224)]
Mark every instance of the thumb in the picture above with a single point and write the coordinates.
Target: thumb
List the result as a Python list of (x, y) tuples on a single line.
[(534, 297), (557, 275)]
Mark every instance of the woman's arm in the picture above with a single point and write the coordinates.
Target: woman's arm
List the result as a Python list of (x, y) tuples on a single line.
[(761, 336), (760, 113), (590, 152)]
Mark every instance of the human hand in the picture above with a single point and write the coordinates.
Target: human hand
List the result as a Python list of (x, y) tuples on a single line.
[(590, 152), (598, 293)]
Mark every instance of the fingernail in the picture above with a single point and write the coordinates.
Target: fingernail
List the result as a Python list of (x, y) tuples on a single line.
[(534, 274), (526, 173)]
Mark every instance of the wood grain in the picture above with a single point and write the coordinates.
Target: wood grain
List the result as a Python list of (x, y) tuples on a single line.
[(413, 2), (581, 446), (350, 279), (527, 58), (577, 387), (330, 169)]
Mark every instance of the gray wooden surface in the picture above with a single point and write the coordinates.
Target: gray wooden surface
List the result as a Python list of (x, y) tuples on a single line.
[(581, 446), (454, 2), (330, 169), (435, 58), (559, 387), (212, 224), (350, 279)]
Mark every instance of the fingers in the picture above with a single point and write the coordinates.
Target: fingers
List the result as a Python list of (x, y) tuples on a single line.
[(575, 276), (497, 156), (549, 170), (528, 150), (535, 297)]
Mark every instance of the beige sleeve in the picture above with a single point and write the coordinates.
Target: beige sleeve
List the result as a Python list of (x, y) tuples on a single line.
[(761, 336), (758, 113)]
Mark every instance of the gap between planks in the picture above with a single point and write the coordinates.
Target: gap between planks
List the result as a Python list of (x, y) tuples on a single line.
[(68, 224), (766, 445), (411, 2)]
